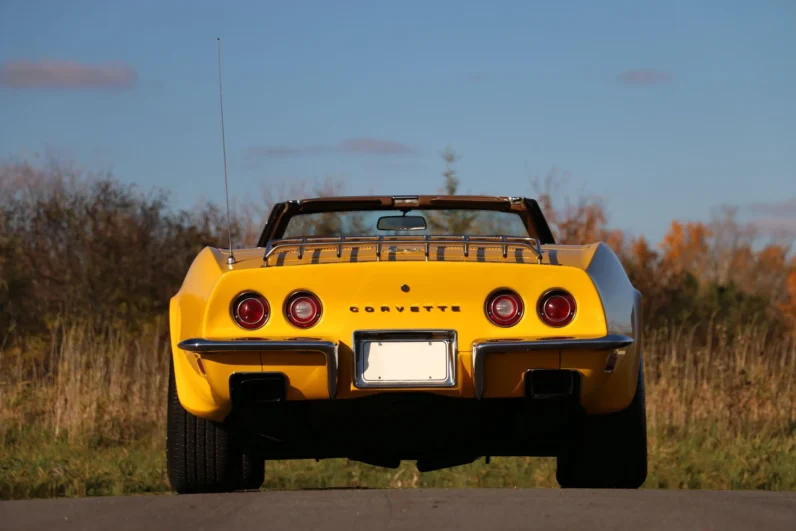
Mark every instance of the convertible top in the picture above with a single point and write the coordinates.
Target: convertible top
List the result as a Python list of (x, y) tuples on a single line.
[(527, 208)]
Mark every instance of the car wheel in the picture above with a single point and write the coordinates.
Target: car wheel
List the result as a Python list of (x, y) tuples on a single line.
[(205, 456), (608, 451)]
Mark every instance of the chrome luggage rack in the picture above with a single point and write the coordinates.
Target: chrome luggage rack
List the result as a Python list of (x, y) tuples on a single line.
[(302, 244)]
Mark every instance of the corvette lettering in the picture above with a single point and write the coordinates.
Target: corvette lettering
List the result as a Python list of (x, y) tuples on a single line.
[(401, 309)]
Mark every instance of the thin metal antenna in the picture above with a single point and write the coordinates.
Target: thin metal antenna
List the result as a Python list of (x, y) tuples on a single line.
[(231, 259)]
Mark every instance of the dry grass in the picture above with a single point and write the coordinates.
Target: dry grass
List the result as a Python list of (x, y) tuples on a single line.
[(87, 389), (742, 380), (84, 415)]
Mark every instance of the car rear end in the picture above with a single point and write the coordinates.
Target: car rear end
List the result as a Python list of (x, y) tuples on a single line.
[(425, 349)]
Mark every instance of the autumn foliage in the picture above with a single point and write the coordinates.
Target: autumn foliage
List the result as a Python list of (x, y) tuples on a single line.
[(701, 272)]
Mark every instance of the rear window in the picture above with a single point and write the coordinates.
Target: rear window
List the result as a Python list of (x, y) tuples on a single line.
[(438, 223)]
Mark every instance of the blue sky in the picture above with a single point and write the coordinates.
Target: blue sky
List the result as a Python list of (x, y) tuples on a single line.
[(665, 110)]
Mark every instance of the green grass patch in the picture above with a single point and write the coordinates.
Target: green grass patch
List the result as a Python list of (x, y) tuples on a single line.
[(37, 466)]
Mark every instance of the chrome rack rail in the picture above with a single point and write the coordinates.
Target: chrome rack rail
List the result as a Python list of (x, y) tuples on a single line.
[(302, 244)]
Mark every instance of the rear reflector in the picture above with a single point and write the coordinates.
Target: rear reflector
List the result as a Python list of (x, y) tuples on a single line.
[(303, 309), (504, 307)]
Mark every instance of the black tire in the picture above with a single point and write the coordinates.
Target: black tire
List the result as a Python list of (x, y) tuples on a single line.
[(608, 451), (205, 456)]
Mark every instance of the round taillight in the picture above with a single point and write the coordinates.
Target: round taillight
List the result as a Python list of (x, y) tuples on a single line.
[(303, 309), (250, 310), (557, 308), (504, 308)]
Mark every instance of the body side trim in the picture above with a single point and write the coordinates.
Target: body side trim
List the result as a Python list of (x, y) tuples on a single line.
[(616, 292)]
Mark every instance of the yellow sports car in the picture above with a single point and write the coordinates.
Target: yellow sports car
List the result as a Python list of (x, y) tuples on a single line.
[(438, 329)]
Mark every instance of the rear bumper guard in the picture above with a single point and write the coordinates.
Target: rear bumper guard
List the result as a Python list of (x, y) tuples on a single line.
[(504, 346), (327, 348)]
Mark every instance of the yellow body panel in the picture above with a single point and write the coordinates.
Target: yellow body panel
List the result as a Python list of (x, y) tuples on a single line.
[(367, 295), (505, 371)]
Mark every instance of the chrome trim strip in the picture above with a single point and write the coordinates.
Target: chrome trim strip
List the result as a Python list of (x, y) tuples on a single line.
[(532, 244), (501, 346), (449, 336), (327, 348)]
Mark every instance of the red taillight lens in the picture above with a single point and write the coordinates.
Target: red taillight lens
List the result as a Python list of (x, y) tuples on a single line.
[(303, 309), (504, 308), (250, 310), (557, 308)]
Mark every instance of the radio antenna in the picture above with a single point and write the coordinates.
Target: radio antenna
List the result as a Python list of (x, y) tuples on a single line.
[(231, 259)]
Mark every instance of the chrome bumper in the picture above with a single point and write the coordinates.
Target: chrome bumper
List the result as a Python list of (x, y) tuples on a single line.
[(505, 346), (327, 348), (480, 350)]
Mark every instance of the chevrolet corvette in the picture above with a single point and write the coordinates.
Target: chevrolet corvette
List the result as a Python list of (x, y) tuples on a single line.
[(435, 329)]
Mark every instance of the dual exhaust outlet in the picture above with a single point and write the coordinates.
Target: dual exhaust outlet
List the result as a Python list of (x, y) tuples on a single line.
[(261, 388)]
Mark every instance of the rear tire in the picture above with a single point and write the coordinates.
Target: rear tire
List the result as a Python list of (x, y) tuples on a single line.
[(609, 451), (205, 456)]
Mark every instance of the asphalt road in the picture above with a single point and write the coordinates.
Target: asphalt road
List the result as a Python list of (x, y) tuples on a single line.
[(476, 509)]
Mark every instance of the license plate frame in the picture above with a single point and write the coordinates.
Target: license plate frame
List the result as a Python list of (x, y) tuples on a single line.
[(364, 375)]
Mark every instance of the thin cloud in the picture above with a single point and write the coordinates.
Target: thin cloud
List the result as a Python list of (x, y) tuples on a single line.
[(775, 208), (362, 146), (775, 217), (66, 75), (644, 77), (477, 77), (775, 225), (275, 152), (374, 146)]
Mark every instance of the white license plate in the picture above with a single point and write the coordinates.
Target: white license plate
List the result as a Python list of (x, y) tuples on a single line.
[(425, 362)]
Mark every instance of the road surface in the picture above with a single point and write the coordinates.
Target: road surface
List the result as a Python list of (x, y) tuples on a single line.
[(437, 509)]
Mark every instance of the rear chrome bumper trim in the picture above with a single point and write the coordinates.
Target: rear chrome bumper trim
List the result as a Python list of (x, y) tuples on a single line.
[(327, 348), (502, 346)]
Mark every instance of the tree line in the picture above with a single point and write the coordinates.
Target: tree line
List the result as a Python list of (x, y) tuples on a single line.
[(84, 246)]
